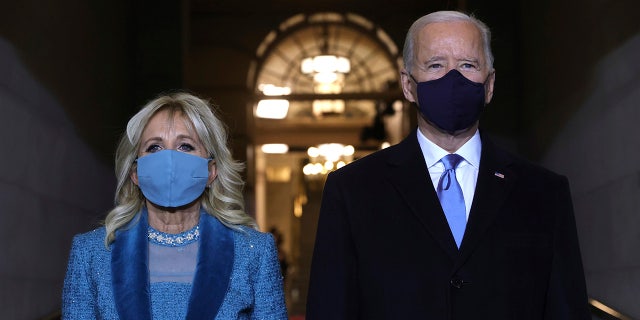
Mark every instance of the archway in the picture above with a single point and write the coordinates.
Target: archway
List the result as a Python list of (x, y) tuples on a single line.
[(319, 79)]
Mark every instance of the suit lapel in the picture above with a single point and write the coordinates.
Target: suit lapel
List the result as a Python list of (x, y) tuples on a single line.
[(130, 270), (408, 173), (495, 181), (213, 272)]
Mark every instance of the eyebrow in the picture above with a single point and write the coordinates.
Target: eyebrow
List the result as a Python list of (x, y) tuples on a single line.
[(475, 60), (185, 136), (179, 137), (441, 58), (435, 58), (150, 140)]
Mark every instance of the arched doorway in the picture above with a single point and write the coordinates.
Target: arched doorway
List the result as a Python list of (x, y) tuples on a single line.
[(325, 81)]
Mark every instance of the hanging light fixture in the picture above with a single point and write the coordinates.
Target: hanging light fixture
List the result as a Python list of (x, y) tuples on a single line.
[(327, 157), (328, 72), (325, 68)]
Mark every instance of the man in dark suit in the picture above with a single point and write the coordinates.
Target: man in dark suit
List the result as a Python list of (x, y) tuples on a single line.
[(445, 225)]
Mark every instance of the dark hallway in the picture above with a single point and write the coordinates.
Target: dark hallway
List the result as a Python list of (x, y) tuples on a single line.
[(73, 73)]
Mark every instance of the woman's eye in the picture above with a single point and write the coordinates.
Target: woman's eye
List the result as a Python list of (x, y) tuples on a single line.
[(153, 148), (185, 147)]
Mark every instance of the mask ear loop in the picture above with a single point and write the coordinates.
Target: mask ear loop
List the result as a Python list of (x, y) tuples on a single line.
[(411, 76), (211, 158), (415, 103)]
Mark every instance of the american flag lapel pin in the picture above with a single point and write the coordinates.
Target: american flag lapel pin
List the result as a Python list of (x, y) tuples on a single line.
[(499, 175)]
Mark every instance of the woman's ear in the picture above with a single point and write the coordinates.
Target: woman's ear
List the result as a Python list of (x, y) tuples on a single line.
[(213, 172), (134, 174)]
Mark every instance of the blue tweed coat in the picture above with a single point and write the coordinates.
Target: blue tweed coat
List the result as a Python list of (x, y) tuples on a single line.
[(237, 277)]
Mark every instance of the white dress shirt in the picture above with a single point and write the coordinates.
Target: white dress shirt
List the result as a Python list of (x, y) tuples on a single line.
[(467, 170)]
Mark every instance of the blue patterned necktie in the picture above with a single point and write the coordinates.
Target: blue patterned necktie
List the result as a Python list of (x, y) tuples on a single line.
[(451, 198)]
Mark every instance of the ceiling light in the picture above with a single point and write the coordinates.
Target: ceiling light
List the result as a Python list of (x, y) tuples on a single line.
[(325, 64), (272, 90), (275, 148), (272, 108)]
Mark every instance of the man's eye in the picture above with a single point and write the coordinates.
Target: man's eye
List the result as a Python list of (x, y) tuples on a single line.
[(468, 66), (185, 147), (153, 148), (435, 66)]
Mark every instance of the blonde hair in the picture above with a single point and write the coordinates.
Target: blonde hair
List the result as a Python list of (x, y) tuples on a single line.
[(223, 199)]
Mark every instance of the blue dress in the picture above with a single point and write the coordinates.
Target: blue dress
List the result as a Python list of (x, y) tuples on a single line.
[(237, 277)]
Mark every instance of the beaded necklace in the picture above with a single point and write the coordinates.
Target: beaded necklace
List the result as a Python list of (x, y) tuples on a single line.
[(174, 240)]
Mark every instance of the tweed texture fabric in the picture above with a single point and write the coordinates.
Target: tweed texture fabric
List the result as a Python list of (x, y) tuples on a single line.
[(254, 291)]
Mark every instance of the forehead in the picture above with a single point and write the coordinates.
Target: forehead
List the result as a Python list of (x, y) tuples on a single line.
[(168, 120), (449, 38)]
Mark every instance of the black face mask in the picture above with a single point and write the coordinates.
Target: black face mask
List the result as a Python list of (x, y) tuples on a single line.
[(452, 102)]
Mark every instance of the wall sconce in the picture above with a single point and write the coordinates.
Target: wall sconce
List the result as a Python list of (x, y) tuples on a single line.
[(298, 202)]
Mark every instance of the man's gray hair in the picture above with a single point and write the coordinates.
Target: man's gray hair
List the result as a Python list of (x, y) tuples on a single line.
[(445, 16)]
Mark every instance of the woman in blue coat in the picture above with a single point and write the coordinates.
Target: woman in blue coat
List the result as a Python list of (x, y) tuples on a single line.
[(178, 244)]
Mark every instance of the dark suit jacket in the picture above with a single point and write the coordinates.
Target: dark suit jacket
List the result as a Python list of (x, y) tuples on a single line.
[(384, 249)]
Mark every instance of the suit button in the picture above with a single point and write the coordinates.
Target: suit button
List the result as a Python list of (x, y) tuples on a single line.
[(457, 282)]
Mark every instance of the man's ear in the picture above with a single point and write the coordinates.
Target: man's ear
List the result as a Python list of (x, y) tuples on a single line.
[(488, 87), (407, 86)]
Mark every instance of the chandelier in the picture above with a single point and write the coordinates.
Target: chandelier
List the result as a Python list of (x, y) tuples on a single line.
[(328, 72), (327, 157), (326, 69)]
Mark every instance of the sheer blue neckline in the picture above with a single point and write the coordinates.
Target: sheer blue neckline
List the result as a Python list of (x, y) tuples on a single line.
[(174, 240)]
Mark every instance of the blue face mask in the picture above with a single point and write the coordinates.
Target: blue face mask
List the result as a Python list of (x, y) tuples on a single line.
[(170, 178), (452, 102)]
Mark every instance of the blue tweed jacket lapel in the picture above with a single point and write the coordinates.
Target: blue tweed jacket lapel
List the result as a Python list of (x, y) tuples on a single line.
[(213, 273), (130, 270)]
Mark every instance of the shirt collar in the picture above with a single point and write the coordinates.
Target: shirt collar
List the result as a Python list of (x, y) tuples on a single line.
[(470, 151)]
